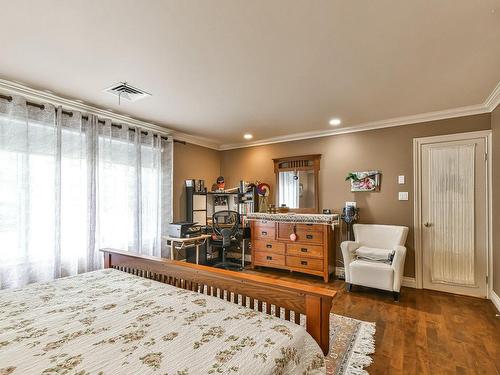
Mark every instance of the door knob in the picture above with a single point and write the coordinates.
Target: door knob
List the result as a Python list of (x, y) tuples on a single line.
[(427, 224)]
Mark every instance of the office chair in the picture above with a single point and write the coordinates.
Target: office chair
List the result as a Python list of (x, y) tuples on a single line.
[(225, 225)]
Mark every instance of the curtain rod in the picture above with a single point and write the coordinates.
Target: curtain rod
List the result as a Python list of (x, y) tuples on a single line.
[(70, 114)]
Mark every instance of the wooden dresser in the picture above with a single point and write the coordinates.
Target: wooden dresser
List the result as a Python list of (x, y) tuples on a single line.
[(312, 252)]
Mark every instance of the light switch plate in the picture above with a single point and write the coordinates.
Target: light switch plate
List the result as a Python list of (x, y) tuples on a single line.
[(403, 196), (401, 180)]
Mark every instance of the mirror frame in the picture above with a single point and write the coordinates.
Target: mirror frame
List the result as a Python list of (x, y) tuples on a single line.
[(299, 163)]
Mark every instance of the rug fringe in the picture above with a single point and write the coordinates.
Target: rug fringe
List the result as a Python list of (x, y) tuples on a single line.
[(364, 345)]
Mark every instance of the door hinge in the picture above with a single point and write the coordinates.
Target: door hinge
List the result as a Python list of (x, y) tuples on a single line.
[(485, 156), (486, 279)]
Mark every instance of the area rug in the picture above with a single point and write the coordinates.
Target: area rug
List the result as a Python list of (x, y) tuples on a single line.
[(351, 343)]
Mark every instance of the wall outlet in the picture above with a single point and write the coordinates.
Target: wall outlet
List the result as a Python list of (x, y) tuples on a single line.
[(401, 180), (403, 196)]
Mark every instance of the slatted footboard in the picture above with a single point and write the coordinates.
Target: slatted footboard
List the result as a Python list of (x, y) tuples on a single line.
[(283, 299)]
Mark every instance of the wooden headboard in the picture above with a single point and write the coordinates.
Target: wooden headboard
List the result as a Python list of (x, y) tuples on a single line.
[(288, 298)]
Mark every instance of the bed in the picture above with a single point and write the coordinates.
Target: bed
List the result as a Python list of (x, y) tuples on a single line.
[(146, 315)]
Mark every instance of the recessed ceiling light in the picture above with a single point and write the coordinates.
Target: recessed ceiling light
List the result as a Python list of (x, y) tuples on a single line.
[(335, 121), (248, 136)]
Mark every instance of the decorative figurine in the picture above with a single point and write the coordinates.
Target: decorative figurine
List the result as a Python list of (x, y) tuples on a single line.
[(219, 185)]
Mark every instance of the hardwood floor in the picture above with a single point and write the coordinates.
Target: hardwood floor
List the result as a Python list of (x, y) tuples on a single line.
[(427, 332)]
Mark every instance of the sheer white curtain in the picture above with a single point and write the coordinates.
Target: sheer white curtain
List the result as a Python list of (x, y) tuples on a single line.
[(28, 150), (134, 188), (71, 184)]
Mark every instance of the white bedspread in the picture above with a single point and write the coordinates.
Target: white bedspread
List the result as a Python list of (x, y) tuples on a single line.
[(110, 322)]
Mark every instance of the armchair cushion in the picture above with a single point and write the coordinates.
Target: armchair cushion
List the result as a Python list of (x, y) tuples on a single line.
[(380, 236), (375, 254), (372, 274)]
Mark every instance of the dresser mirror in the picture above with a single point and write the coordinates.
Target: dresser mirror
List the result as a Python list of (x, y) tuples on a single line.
[(297, 183)]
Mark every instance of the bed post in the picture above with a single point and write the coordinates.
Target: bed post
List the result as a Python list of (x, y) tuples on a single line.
[(107, 260), (318, 320)]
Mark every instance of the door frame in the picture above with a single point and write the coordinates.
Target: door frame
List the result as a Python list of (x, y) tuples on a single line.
[(417, 201)]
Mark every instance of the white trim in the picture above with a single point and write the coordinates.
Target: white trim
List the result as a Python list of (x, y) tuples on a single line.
[(493, 99), (487, 106), (417, 207), (397, 121), (408, 282), (14, 88), (195, 140), (495, 299), (339, 272), (491, 102), (489, 161)]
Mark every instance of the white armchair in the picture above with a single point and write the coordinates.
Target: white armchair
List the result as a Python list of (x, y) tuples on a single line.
[(376, 258)]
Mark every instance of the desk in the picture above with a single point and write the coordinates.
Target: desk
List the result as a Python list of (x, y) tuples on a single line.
[(186, 242)]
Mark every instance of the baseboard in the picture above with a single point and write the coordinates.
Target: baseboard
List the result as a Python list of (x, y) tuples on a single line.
[(408, 282), (495, 299), (339, 272)]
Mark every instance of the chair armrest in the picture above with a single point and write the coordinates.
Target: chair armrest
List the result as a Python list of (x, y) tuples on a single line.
[(398, 265), (348, 248)]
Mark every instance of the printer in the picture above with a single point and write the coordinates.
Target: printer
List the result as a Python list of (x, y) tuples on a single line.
[(183, 229)]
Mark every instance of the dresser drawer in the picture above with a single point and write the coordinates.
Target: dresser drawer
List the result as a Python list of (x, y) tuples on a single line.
[(303, 250), (306, 263), (314, 237), (264, 230), (284, 229), (269, 258), (269, 246), (264, 223), (304, 232)]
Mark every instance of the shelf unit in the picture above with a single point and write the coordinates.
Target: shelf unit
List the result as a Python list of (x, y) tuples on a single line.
[(200, 206)]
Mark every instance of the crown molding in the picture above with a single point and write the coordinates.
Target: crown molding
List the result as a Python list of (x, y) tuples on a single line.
[(46, 97), (491, 102), (196, 140), (397, 121), (493, 99), (495, 299), (14, 88)]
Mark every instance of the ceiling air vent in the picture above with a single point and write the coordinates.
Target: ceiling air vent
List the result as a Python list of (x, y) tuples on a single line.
[(125, 91)]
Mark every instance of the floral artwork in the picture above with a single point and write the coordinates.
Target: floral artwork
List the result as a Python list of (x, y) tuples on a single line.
[(364, 181)]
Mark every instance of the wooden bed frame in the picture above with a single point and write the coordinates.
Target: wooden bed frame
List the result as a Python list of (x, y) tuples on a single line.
[(313, 302)]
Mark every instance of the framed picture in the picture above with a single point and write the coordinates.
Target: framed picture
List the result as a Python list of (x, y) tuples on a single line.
[(364, 181)]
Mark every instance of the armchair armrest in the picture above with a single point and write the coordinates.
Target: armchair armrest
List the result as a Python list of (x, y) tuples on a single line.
[(398, 264), (348, 248)]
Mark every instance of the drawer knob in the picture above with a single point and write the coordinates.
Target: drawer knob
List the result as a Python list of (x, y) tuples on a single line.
[(303, 262), (303, 249), (309, 236), (264, 233), (269, 257), (269, 246)]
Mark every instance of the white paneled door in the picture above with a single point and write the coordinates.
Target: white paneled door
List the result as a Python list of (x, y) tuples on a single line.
[(454, 215)]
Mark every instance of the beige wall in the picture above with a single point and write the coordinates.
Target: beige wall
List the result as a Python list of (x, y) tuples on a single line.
[(192, 162), (495, 125), (389, 150)]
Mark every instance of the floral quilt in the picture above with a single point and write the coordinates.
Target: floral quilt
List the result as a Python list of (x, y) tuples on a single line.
[(111, 322)]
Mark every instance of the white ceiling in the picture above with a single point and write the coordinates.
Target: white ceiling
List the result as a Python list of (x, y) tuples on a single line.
[(221, 68)]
